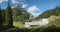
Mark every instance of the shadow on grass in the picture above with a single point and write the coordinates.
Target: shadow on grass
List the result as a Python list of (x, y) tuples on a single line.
[(16, 29), (47, 29)]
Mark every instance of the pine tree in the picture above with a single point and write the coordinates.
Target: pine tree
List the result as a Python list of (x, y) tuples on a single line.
[(8, 16), (3, 17), (0, 19)]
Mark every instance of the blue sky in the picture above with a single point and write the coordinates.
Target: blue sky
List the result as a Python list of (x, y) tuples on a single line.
[(35, 7)]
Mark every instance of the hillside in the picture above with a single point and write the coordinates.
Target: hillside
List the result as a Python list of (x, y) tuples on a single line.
[(19, 14), (48, 13)]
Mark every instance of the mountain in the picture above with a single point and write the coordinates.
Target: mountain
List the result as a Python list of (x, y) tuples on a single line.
[(19, 14), (48, 13)]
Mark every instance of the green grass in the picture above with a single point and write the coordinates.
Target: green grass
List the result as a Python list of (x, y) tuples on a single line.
[(18, 24), (19, 27)]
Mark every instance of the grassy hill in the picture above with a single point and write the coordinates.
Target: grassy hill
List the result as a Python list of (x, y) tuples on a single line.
[(19, 14), (48, 13)]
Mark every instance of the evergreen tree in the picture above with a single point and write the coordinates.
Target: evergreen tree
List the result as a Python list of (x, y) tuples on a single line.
[(8, 16), (3, 17), (0, 19)]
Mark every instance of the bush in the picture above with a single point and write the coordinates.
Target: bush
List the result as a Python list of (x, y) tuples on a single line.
[(54, 20)]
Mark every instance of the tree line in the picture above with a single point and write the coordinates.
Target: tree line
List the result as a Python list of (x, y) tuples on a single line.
[(6, 17)]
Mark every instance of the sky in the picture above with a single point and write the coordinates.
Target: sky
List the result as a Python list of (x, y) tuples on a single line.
[(35, 7)]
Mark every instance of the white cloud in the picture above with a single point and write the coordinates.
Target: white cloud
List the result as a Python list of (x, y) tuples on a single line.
[(2, 1), (33, 10), (24, 5), (22, 2), (14, 1)]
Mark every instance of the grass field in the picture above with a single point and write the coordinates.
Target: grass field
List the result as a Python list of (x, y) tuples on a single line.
[(18, 24), (19, 27)]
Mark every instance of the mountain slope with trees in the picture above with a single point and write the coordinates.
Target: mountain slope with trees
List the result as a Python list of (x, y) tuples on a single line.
[(19, 14), (48, 13)]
